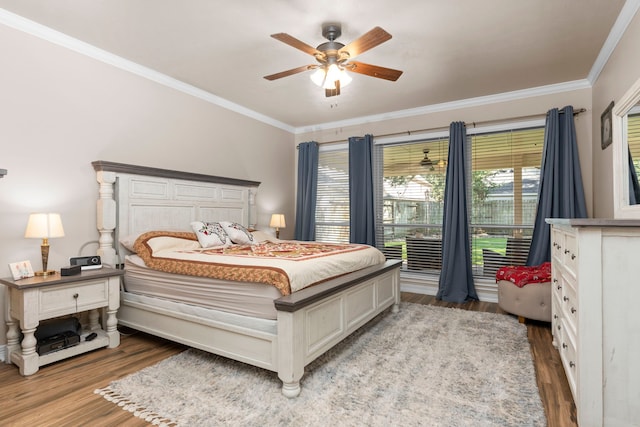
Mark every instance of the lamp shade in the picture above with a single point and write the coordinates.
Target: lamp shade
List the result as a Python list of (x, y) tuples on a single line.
[(44, 226), (277, 221)]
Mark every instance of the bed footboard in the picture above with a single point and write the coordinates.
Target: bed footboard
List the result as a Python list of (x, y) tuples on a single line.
[(310, 323)]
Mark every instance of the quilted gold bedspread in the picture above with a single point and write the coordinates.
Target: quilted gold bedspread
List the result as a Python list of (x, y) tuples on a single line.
[(287, 265)]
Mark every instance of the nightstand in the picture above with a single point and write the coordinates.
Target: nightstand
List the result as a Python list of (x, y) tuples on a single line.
[(39, 298)]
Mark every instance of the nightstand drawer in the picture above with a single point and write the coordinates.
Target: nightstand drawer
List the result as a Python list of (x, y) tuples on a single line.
[(73, 298)]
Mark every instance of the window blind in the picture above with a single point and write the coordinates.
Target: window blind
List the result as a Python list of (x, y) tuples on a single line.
[(332, 204), (633, 139)]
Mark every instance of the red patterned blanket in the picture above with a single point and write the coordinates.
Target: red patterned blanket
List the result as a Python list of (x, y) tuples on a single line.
[(522, 275)]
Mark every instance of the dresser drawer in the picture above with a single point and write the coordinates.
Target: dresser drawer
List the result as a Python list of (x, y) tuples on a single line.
[(570, 253), (568, 355), (556, 315), (73, 298), (570, 303), (557, 246)]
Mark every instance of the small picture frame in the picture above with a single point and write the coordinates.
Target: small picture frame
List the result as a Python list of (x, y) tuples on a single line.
[(21, 270), (606, 127)]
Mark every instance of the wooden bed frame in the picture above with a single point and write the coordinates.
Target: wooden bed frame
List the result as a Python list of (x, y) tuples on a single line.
[(133, 199)]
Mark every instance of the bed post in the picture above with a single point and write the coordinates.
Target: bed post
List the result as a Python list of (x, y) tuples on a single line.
[(106, 217), (290, 351)]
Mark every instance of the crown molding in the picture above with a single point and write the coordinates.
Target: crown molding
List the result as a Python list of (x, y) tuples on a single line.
[(43, 32), (454, 105), (617, 31), (30, 27)]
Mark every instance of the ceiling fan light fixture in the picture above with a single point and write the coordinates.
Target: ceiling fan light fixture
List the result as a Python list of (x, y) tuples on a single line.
[(325, 77)]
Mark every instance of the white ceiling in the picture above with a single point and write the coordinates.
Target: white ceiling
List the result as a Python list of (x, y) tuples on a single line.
[(449, 50)]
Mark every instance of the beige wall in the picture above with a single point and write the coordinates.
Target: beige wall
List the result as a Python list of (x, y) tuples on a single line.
[(59, 111), (620, 73), (494, 112)]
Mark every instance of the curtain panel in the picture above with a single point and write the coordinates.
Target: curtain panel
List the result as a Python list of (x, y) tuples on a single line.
[(305, 228), (362, 227), (561, 194), (456, 278)]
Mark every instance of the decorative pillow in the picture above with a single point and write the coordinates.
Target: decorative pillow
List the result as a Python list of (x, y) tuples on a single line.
[(210, 234), (238, 233)]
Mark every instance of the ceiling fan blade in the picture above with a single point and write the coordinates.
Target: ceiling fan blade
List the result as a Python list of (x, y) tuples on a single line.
[(290, 72), (374, 71), (294, 42), (367, 41)]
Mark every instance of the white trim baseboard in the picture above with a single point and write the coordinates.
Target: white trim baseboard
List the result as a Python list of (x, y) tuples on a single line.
[(426, 284)]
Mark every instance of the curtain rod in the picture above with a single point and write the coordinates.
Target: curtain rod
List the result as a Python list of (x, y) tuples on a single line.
[(410, 132)]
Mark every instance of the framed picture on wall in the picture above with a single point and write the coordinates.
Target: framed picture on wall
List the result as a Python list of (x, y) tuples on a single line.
[(21, 270), (605, 127)]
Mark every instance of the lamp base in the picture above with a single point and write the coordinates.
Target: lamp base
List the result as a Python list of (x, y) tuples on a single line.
[(45, 273)]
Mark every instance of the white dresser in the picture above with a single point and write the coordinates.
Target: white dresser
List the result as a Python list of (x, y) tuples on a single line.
[(596, 316)]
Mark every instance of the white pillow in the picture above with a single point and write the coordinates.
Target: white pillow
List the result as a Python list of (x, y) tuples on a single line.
[(129, 241), (210, 234), (261, 236), (238, 233)]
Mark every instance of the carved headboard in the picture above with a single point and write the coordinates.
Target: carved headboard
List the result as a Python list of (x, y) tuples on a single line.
[(133, 199)]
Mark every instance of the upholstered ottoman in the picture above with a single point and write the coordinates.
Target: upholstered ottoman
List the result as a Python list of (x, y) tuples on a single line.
[(525, 291), (532, 301)]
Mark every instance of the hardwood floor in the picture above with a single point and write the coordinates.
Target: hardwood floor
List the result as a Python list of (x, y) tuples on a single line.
[(61, 394)]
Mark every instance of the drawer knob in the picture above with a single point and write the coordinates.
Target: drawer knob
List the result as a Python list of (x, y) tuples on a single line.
[(566, 251), (559, 287), (564, 345), (566, 298), (75, 296), (555, 316), (559, 327), (571, 364), (573, 310), (573, 256)]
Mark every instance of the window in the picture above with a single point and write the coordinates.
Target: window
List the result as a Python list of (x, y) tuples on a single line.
[(332, 204), (410, 182), (633, 139), (505, 175), (503, 185), (412, 195)]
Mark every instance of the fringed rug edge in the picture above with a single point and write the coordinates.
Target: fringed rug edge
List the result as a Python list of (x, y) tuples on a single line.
[(135, 409)]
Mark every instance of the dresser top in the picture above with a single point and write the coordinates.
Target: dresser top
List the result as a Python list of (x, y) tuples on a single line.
[(594, 222)]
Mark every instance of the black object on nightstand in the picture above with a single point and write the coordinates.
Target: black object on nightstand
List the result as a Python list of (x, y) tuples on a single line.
[(71, 270)]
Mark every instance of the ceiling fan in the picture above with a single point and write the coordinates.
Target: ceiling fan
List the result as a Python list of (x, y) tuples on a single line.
[(334, 58), (430, 163)]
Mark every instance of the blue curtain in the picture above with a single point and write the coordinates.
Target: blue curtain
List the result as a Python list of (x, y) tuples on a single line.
[(634, 186), (456, 278), (561, 194), (361, 207), (307, 191)]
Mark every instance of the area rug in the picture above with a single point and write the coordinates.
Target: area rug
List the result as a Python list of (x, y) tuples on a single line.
[(422, 366)]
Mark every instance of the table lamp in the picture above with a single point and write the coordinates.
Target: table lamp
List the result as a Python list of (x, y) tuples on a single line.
[(44, 226), (277, 222)]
